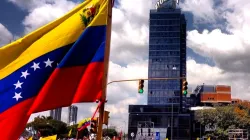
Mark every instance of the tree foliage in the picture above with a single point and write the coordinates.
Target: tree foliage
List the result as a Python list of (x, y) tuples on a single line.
[(225, 118), (109, 132), (47, 126), (73, 131)]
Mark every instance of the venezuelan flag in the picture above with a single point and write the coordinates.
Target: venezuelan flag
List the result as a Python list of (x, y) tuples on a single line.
[(83, 124), (58, 64)]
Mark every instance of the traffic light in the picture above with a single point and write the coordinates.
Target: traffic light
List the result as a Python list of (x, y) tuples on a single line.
[(184, 87), (141, 85), (106, 117), (93, 125)]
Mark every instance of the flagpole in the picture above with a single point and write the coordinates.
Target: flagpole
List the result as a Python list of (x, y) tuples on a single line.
[(106, 66)]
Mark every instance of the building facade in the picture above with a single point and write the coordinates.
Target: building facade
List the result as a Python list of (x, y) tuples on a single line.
[(146, 120), (167, 54), (56, 114), (72, 116), (213, 94), (166, 113)]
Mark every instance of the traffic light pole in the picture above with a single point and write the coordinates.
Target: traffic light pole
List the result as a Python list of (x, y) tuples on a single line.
[(101, 110), (176, 78), (127, 80)]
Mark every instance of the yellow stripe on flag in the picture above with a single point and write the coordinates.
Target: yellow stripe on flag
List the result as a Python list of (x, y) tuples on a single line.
[(82, 122), (61, 32)]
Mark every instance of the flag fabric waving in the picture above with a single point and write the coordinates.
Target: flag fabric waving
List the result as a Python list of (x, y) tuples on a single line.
[(58, 64)]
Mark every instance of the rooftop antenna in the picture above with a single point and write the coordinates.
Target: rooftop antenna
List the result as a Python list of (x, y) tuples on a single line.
[(170, 3)]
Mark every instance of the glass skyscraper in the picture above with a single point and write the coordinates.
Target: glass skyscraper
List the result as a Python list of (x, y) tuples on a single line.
[(56, 114), (166, 112), (72, 116), (167, 54)]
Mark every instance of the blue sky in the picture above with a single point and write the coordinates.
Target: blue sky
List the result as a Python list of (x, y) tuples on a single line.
[(12, 17)]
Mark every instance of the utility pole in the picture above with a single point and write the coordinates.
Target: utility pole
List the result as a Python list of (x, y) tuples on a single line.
[(172, 117), (106, 66)]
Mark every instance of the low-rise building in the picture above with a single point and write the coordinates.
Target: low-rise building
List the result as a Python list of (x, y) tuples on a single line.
[(213, 94)]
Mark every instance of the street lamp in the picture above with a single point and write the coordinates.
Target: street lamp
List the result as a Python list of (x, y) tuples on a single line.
[(172, 117), (124, 129)]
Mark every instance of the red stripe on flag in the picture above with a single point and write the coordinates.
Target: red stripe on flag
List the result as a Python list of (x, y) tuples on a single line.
[(84, 126), (14, 117), (70, 85)]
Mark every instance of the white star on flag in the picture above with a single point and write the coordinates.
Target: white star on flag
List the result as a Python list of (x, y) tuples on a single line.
[(25, 74), (18, 84), (17, 96), (48, 63), (35, 66)]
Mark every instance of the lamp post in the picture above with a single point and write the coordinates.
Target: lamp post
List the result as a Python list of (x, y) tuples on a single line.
[(172, 119), (202, 111), (125, 124)]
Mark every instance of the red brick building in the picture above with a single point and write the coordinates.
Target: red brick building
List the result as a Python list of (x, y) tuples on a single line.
[(210, 94)]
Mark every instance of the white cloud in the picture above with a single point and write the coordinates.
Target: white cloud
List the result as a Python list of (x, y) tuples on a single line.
[(216, 44), (230, 51), (130, 31), (203, 10), (45, 13), (5, 35)]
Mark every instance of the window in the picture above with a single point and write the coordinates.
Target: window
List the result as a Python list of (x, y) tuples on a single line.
[(162, 101), (159, 73), (164, 16), (153, 74), (157, 100), (153, 99), (165, 22), (163, 34)]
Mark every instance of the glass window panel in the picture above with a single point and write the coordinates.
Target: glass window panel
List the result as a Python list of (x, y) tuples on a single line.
[(150, 99), (159, 73), (162, 67), (178, 73), (157, 67), (165, 93), (154, 94), (157, 100), (162, 93), (153, 74), (162, 101), (166, 73), (153, 99)]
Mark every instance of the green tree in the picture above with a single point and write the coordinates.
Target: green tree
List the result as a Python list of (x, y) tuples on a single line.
[(225, 118), (109, 132), (47, 126), (74, 130)]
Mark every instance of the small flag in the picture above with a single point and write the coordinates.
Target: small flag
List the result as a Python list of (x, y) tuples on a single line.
[(70, 131)]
